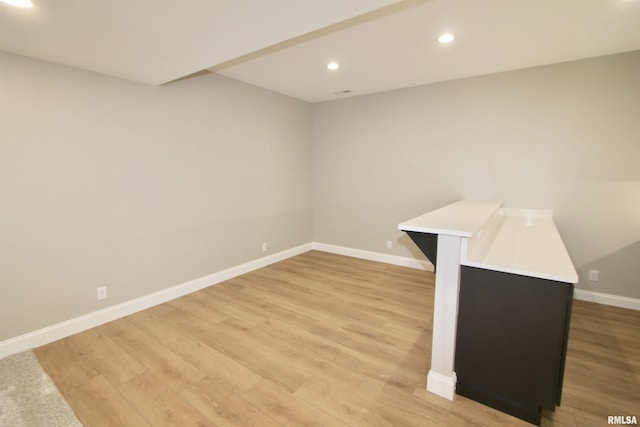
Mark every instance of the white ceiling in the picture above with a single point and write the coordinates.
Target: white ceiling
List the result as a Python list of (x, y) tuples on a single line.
[(157, 41), (284, 45)]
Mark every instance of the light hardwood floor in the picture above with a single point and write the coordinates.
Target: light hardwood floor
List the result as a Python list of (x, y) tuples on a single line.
[(316, 340)]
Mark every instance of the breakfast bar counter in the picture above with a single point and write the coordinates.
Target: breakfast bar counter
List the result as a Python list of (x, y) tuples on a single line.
[(504, 285)]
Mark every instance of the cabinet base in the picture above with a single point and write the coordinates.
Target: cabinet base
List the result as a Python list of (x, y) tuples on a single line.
[(527, 413)]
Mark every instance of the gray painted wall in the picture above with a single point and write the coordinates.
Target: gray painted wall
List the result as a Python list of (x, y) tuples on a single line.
[(105, 182), (564, 137)]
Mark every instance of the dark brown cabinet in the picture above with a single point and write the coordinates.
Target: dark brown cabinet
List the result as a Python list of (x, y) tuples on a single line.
[(512, 340)]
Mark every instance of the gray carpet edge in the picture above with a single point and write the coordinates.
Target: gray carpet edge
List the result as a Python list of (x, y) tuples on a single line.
[(28, 396)]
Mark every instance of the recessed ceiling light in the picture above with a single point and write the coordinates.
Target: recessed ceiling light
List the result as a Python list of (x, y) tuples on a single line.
[(333, 65), (446, 38), (18, 3)]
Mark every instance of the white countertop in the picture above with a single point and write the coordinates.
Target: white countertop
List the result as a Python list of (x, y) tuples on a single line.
[(463, 218), (518, 241), (526, 243)]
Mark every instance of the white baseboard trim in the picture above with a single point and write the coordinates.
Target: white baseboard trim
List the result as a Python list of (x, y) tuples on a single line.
[(373, 256), (579, 294), (91, 320), (73, 326), (607, 299)]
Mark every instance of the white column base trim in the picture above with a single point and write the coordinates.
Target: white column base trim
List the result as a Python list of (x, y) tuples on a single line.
[(442, 385), (608, 299), (91, 320)]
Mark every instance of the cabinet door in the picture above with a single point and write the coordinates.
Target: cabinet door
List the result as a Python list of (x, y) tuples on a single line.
[(511, 338)]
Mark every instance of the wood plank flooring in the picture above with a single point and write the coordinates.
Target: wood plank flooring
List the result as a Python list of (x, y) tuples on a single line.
[(316, 340)]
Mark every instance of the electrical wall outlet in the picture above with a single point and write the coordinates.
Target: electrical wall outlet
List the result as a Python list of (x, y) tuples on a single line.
[(264, 247), (594, 275), (389, 244), (102, 293)]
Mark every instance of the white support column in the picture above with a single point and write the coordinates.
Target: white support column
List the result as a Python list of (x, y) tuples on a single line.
[(442, 378), (453, 224)]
